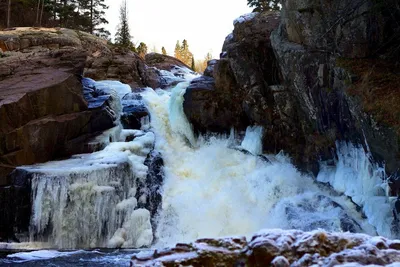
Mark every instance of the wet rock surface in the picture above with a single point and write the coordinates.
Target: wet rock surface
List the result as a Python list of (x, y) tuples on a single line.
[(277, 248)]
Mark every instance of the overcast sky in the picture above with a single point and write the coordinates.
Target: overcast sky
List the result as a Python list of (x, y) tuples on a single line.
[(204, 23)]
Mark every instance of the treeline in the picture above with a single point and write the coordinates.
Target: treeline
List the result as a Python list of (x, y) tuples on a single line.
[(124, 38), (88, 16), (183, 53), (84, 15)]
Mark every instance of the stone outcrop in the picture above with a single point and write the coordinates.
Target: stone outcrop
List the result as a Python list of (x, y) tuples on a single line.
[(163, 62), (43, 112), (278, 248), (128, 67), (122, 65), (36, 40)]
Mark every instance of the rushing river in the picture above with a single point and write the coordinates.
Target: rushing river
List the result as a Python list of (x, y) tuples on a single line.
[(213, 186)]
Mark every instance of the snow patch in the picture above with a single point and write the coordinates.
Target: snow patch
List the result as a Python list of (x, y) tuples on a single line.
[(245, 18)]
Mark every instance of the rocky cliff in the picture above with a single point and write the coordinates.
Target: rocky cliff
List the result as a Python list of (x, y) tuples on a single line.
[(313, 74), (44, 112)]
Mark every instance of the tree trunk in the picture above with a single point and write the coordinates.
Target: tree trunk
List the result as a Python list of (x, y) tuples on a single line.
[(63, 14), (41, 14), (8, 13), (54, 11), (37, 13), (91, 16)]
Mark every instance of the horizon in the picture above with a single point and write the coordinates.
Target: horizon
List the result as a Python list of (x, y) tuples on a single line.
[(202, 33)]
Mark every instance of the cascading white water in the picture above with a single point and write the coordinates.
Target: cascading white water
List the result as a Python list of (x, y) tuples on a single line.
[(211, 190)]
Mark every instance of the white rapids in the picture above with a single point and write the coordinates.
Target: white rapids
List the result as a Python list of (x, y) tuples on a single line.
[(213, 190), (211, 187)]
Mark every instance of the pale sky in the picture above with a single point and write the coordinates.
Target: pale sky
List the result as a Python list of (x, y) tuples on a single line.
[(203, 23)]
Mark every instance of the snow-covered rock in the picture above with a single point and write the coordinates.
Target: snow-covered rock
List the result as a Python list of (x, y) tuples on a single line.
[(278, 248)]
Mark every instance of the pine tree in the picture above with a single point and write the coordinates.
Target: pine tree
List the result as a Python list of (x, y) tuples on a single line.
[(97, 18), (177, 52), (193, 66), (185, 54), (142, 50), (163, 51), (264, 5), (123, 36)]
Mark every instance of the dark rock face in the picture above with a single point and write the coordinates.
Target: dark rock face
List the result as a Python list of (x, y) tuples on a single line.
[(242, 95), (214, 103), (277, 248), (348, 28), (248, 90), (294, 84), (153, 185), (309, 42)]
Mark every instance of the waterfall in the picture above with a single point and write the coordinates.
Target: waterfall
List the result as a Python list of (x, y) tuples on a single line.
[(211, 186), (211, 190)]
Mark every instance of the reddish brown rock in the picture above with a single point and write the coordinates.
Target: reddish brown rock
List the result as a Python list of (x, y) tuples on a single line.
[(122, 65), (42, 109), (277, 248)]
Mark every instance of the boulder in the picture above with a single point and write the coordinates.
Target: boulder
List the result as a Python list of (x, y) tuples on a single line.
[(214, 103), (122, 65), (134, 111), (163, 62), (244, 78), (277, 248)]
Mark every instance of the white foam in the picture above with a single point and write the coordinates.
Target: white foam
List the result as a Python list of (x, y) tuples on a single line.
[(213, 191), (42, 255)]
